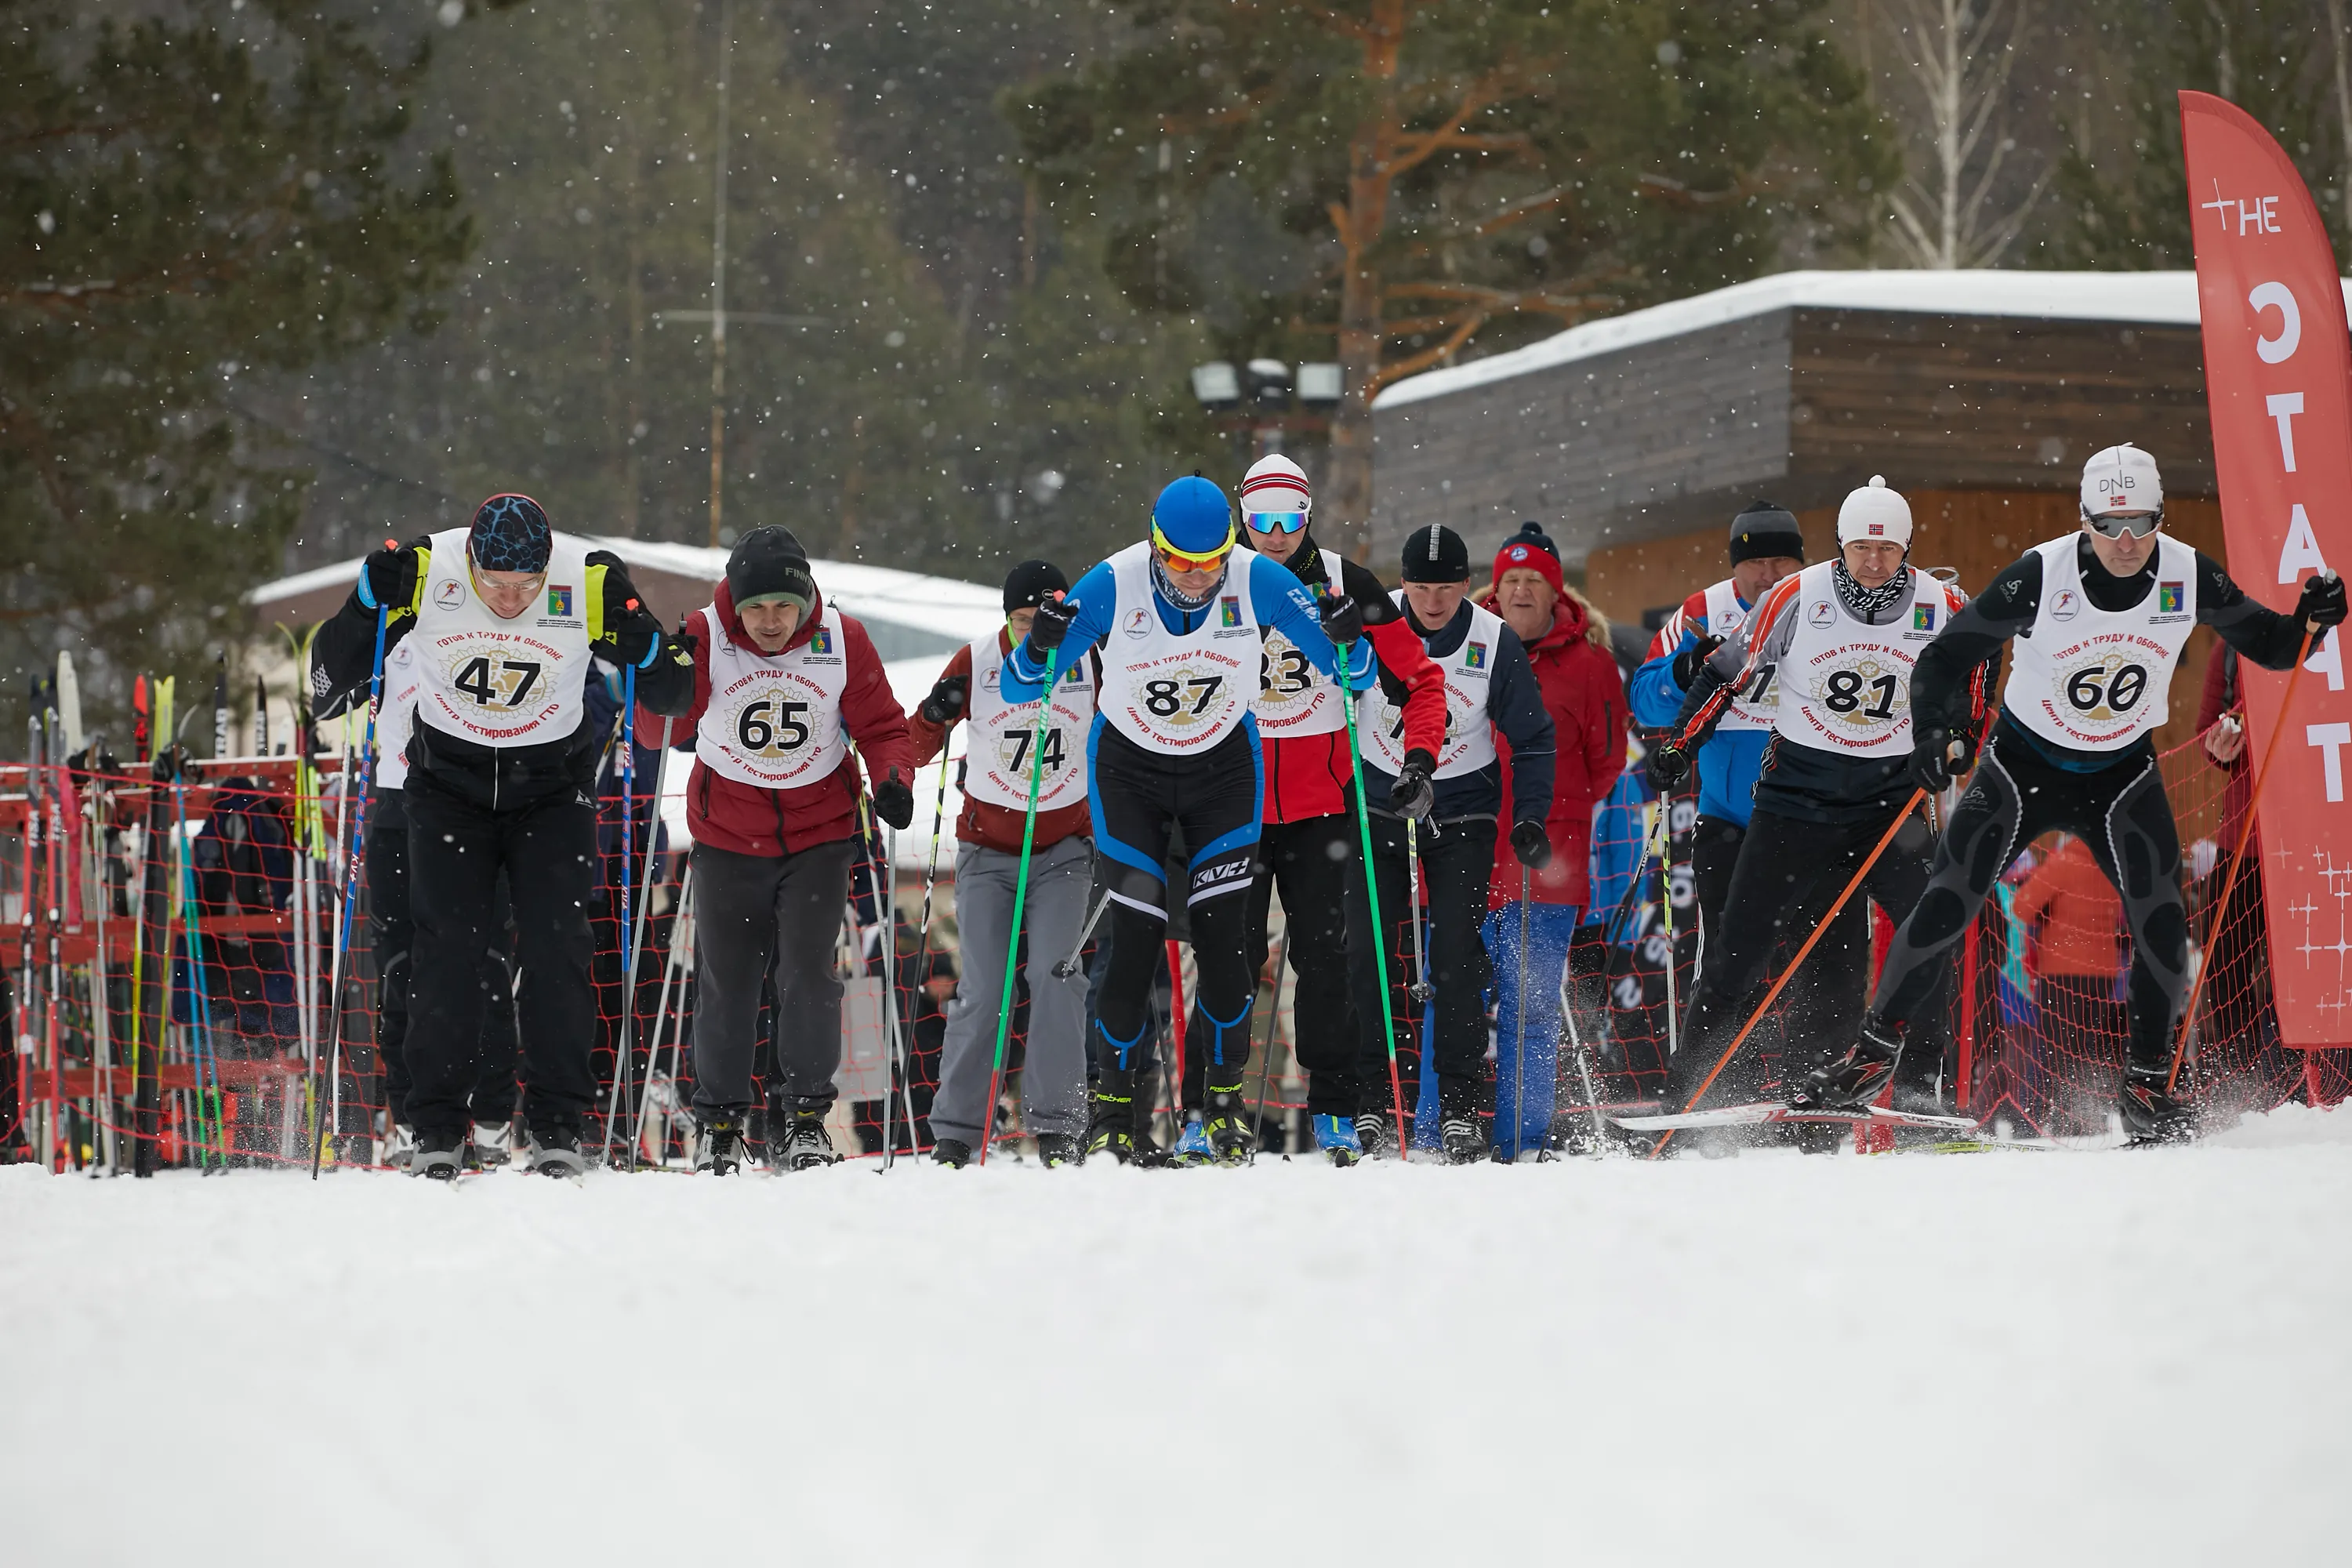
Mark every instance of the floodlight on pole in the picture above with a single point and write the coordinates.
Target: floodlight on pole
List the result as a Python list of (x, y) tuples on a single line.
[(1269, 383), (1216, 385), (1319, 386)]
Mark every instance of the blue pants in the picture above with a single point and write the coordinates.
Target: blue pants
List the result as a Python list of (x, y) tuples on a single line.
[(1551, 929)]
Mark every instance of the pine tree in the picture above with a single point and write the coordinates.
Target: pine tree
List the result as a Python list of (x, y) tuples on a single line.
[(192, 200)]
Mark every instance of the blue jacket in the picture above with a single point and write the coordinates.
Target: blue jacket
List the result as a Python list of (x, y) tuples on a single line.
[(1730, 761)]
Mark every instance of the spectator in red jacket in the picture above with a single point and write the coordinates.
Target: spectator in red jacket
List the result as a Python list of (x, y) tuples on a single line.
[(1567, 642), (784, 684)]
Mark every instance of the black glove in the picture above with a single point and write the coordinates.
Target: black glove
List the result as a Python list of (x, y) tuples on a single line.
[(388, 577), (1531, 844), (1669, 765), (1688, 662), (1412, 796), (1342, 618), (629, 626), (1052, 622), (894, 802), (2322, 601), (1940, 755), (946, 699)]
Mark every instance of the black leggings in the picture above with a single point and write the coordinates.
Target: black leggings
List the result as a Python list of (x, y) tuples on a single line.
[(2121, 813), (1136, 797), (1314, 863)]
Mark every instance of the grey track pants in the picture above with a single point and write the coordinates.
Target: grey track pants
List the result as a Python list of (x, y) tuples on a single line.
[(754, 915), (1054, 1081)]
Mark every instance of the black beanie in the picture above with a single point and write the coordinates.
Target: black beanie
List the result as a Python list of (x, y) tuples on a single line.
[(1766, 528), (1437, 554), (769, 563), (1026, 585)]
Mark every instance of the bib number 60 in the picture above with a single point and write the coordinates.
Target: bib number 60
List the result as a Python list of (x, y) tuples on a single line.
[(2118, 691)]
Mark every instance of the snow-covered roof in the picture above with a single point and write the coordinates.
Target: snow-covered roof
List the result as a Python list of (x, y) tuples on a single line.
[(2158, 298)]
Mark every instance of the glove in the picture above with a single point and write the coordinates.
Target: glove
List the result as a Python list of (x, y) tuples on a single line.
[(1669, 765), (388, 577), (1342, 618), (1686, 663), (894, 802), (2322, 602), (1052, 622), (1412, 796), (1531, 844), (632, 628), (1940, 755), (946, 699)]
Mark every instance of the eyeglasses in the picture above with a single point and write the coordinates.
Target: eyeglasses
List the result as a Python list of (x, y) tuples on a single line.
[(2139, 524), (1276, 522)]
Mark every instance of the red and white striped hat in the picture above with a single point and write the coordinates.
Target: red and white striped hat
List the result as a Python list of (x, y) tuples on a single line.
[(1275, 483)]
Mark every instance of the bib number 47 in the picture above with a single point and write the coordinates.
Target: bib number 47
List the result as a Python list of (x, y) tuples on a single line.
[(504, 685)]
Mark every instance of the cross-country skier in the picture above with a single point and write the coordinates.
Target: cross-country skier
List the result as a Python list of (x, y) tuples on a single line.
[(1180, 619), (392, 931), (1766, 545), (987, 864), (1307, 843), (1842, 636), (783, 683), (1490, 688), (508, 615), (2100, 617)]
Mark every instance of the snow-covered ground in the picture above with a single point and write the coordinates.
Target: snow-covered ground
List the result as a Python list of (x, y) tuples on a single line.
[(2012, 1358)]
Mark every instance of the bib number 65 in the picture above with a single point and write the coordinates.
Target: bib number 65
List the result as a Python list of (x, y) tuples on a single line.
[(771, 726)]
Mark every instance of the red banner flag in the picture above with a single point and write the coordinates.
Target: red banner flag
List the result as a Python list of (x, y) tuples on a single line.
[(2278, 378)]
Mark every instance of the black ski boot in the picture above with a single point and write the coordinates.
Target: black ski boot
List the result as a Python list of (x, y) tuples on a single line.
[(555, 1151), (718, 1146), (805, 1144), (1461, 1130), (1058, 1149), (1374, 1137), (952, 1153), (437, 1156), (1854, 1080), (1112, 1131), (2153, 1113), (1225, 1121)]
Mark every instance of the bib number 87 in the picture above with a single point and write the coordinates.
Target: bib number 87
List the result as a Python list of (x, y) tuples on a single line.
[(2118, 691), (1165, 699)]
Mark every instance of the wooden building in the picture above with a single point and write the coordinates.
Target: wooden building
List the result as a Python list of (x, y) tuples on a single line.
[(1978, 395)]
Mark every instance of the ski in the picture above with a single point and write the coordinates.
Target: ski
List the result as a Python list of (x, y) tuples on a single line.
[(1770, 1113)]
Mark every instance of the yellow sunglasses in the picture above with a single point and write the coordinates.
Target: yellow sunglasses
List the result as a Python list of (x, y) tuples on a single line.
[(1175, 560)]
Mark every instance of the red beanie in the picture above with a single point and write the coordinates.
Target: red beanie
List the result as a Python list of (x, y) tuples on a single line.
[(1519, 551)]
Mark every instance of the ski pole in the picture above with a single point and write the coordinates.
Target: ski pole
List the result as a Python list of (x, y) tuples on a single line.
[(2238, 858), (623, 1060), (1584, 1069), (1273, 1033), (1065, 967), (661, 1006), (1372, 897), (1420, 989), (1666, 922), (1788, 974), (1519, 1050), (886, 921), (932, 869), (636, 932), (1020, 894), (335, 975), (356, 815)]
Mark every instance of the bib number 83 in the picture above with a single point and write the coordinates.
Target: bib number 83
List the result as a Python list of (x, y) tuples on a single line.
[(2100, 687)]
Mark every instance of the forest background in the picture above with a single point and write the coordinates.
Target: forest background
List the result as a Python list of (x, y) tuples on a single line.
[(280, 278)]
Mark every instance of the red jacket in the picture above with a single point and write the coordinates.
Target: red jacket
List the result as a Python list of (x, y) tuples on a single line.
[(1585, 695), (991, 827), (750, 820), (1307, 777)]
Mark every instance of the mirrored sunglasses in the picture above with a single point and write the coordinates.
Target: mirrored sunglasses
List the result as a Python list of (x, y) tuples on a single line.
[(1277, 521), (2138, 527), (1177, 560)]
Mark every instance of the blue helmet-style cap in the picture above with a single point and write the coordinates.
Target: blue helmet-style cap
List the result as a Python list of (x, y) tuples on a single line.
[(1192, 517), (511, 533)]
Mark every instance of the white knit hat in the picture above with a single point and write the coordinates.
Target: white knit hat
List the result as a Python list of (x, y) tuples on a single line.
[(2121, 478), (1275, 483), (1874, 514)]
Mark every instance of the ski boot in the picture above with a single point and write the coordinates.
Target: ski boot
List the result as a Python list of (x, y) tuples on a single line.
[(2152, 1112), (400, 1147), (952, 1153), (1460, 1139), (1375, 1139), (1057, 1149), (1335, 1137), (437, 1156), (1852, 1081), (1112, 1131), (805, 1144), (1226, 1125), (718, 1146), (1193, 1148), (490, 1147), (556, 1152)]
